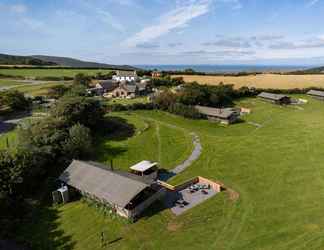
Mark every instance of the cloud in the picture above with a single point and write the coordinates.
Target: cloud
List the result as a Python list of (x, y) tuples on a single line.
[(267, 37), (235, 4), (311, 3), (229, 43), (174, 19), (220, 53), (106, 17), (147, 46), (312, 44), (173, 45), (18, 8)]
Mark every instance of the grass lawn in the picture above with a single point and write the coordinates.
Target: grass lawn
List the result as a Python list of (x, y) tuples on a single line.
[(128, 101), (36, 89), (8, 83), (277, 168), (50, 72), (150, 141), (10, 137)]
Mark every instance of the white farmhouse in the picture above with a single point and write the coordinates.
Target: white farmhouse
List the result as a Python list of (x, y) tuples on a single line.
[(128, 76)]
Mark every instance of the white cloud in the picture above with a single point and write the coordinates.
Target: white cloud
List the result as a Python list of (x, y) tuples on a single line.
[(310, 3), (19, 8), (105, 16), (174, 19)]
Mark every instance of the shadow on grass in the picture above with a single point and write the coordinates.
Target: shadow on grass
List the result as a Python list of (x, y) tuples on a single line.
[(41, 231), (116, 129)]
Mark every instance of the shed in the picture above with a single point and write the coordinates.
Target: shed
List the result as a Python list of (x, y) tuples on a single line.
[(316, 94), (225, 115), (275, 98), (124, 192), (145, 168)]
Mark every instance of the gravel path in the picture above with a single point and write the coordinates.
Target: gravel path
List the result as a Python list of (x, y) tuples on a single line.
[(194, 156)]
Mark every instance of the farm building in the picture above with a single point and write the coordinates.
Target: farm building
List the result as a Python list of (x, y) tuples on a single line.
[(107, 85), (128, 76), (156, 74), (145, 169), (275, 98), (316, 94), (127, 194), (125, 90), (225, 116)]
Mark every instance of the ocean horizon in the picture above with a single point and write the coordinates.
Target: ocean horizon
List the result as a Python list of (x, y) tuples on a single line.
[(225, 68)]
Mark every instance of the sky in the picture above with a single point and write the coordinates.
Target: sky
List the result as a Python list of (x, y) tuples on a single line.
[(282, 32)]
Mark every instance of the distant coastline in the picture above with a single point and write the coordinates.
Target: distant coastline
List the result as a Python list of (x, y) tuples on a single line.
[(226, 68)]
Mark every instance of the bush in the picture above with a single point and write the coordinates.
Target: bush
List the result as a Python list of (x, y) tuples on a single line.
[(15, 100), (78, 109), (79, 142), (185, 111)]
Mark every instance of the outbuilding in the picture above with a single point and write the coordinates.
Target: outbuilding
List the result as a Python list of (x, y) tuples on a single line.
[(316, 94), (224, 116), (275, 98), (127, 194)]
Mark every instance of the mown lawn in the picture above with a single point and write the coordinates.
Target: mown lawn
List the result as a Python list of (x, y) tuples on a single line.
[(36, 89), (50, 72), (150, 141), (274, 160), (128, 101), (8, 83), (8, 139)]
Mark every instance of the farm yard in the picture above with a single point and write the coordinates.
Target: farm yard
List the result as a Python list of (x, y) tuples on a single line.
[(275, 81), (274, 160)]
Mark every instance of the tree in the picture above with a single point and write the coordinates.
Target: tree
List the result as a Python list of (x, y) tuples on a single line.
[(77, 109), (79, 143), (15, 100), (57, 91), (82, 79), (10, 174)]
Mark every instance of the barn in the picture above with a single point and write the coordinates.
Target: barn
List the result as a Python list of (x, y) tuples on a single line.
[(316, 94), (224, 116), (127, 194), (275, 98)]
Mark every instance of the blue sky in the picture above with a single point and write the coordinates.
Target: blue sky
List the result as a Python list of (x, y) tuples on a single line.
[(167, 31)]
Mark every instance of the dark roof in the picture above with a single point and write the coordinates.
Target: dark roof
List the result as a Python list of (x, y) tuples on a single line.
[(220, 113), (271, 96), (108, 85), (316, 93), (96, 179)]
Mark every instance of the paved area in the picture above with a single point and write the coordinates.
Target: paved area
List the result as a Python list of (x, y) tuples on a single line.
[(193, 199)]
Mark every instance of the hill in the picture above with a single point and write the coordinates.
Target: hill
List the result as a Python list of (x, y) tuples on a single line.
[(43, 60), (317, 70), (23, 60), (75, 63)]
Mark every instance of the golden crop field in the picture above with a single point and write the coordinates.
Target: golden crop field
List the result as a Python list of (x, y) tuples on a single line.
[(261, 80)]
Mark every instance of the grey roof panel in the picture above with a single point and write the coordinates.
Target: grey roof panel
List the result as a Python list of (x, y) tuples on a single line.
[(316, 93), (271, 96), (105, 184), (210, 111)]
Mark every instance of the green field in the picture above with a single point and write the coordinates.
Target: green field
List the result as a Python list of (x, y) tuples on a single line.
[(36, 89), (274, 160), (50, 72), (124, 101), (8, 83), (9, 137)]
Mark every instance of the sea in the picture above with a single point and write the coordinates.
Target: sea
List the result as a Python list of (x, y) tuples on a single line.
[(225, 68)]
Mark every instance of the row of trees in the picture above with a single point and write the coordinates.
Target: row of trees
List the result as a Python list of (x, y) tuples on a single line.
[(45, 147)]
